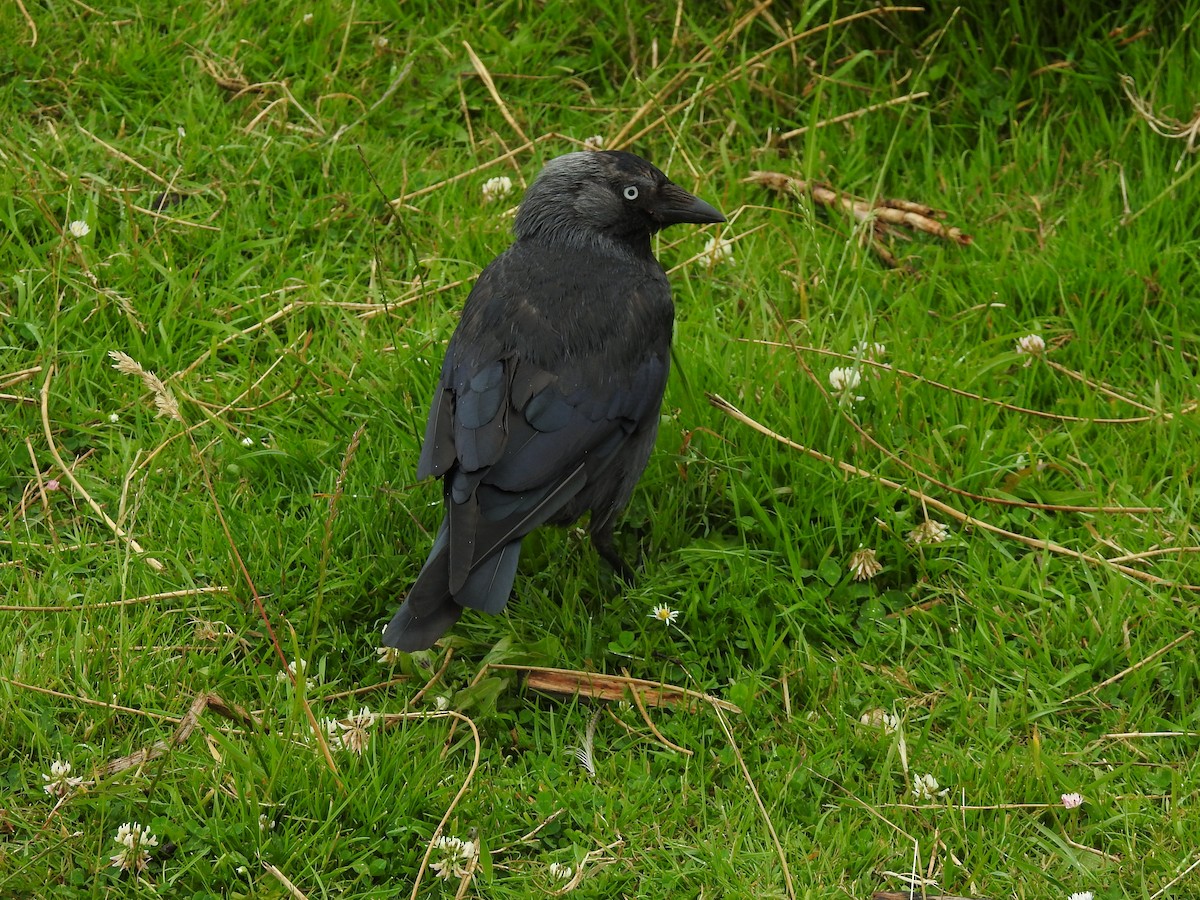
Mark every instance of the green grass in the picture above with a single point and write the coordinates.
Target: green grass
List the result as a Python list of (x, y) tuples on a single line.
[(287, 310)]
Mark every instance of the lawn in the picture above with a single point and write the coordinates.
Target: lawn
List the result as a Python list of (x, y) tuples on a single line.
[(924, 496)]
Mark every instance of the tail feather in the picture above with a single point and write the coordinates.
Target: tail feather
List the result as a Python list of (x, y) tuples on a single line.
[(488, 586), (430, 610)]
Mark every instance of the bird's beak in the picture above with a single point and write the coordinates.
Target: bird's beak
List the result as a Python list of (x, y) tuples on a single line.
[(676, 205)]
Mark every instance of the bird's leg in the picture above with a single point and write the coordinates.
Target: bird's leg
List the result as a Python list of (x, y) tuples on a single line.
[(602, 540)]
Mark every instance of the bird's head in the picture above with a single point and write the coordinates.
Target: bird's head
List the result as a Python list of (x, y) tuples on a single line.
[(609, 194)]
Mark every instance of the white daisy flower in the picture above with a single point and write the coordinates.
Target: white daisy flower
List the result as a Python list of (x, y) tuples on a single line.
[(79, 229), (664, 614), (1072, 801)]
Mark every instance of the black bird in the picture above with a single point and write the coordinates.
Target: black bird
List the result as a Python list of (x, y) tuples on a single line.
[(549, 396)]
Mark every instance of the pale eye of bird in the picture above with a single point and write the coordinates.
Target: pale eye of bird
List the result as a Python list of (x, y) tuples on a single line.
[(631, 192)]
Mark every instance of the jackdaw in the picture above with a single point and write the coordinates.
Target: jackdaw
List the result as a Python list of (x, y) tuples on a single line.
[(549, 396)]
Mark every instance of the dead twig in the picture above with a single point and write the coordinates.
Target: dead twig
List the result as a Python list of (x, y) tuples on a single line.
[(70, 476), (882, 215)]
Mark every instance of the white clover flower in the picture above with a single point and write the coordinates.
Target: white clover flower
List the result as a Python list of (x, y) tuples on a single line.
[(560, 871), (458, 860), (356, 731), (925, 788), (497, 188), (60, 782), (869, 350), (134, 839), (844, 380), (113, 418), (381, 43), (296, 668), (79, 229), (388, 656), (929, 532), (595, 142), (664, 614), (864, 564), (331, 730), (1081, 895), (881, 719), (716, 250), (1031, 345), (1072, 801)]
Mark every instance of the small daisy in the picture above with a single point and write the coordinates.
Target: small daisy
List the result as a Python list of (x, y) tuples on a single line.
[(497, 188), (864, 564), (717, 250), (664, 614), (458, 860), (560, 871), (60, 782), (925, 787), (134, 839), (79, 229), (595, 142), (881, 719), (1072, 801), (1081, 895), (929, 532), (113, 418)]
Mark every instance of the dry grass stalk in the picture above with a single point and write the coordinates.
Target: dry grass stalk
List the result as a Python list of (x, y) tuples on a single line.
[(1038, 544), (394, 718), (205, 701), (959, 392), (1165, 126), (66, 470), (296, 893), (858, 113), (164, 401), (612, 687), (129, 601)]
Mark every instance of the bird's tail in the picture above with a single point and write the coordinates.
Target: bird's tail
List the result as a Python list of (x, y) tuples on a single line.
[(430, 609)]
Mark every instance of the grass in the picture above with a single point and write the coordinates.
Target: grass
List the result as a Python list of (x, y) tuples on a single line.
[(300, 325)]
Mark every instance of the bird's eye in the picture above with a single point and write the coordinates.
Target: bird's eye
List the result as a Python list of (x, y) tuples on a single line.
[(631, 192)]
